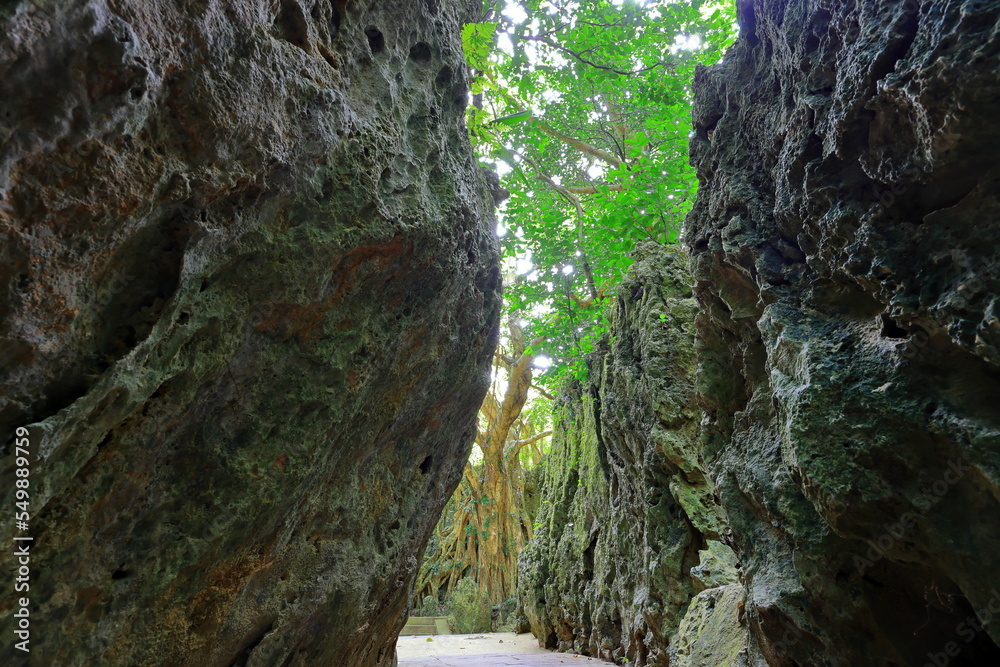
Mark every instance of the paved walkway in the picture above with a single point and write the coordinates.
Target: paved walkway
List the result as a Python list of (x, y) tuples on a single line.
[(500, 649)]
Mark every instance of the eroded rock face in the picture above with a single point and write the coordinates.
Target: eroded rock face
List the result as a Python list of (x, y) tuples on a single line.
[(248, 295), (844, 248), (625, 504)]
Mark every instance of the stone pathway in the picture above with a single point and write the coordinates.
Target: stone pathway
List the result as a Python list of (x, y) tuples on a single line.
[(500, 649)]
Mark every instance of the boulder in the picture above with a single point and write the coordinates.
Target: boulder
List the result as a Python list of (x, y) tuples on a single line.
[(249, 293), (843, 246)]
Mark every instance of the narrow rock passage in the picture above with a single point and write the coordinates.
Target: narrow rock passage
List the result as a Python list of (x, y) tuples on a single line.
[(483, 650)]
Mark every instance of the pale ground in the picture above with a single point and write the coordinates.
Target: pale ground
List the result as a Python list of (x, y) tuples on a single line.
[(498, 649)]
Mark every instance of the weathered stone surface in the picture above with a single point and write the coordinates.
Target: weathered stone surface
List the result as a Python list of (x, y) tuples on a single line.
[(248, 295), (712, 633), (716, 567), (844, 248), (626, 507)]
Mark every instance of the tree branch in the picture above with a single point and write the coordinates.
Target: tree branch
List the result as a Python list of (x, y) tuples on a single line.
[(595, 189), (504, 360), (521, 444), (543, 392), (470, 477), (606, 68), (573, 199), (581, 146)]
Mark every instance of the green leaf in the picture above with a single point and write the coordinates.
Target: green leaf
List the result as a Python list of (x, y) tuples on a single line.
[(513, 119), (477, 41)]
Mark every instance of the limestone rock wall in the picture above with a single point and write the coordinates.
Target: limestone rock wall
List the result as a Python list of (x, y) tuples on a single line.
[(844, 250), (248, 296), (625, 505)]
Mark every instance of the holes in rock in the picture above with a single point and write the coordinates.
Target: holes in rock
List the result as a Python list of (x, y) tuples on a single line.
[(640, 653), (131, 297), (444, 77), (376, 40), (335, 17), (291, 25), (326, 193), (421, 52), (892, 330), (425, 465), (121, 574), (489, 281), (328, 57), (588, 559), (63, 392), (251, 194), (709, 127), (244, 655), (386, 173), (460, 95)]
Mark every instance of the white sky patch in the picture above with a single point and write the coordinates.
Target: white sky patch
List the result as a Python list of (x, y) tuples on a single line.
[(542, 361), (595, 170), (515, 13), (524, 265), (504, 43), (568, 269), (501, 230), (503, 168), (686, 43)]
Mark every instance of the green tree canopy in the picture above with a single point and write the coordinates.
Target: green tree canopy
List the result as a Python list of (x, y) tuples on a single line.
[(584, 107)]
